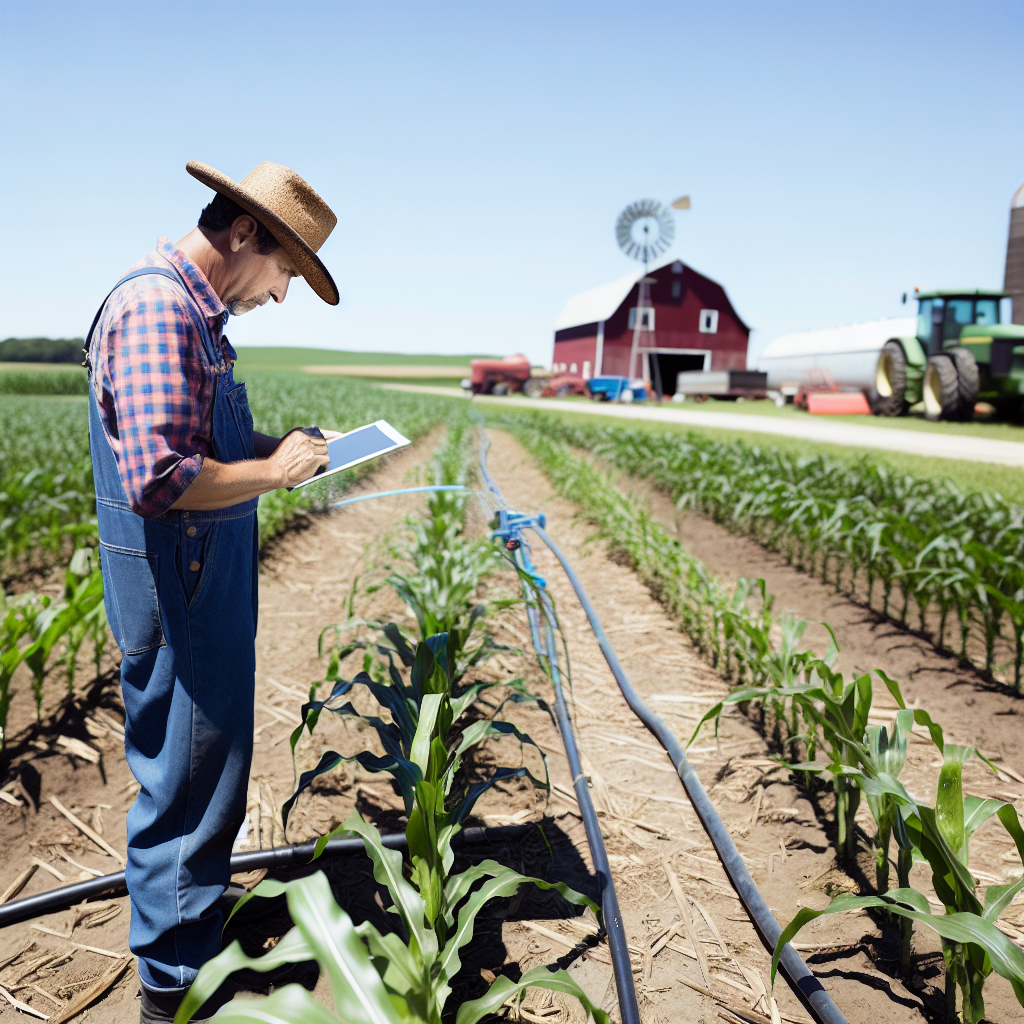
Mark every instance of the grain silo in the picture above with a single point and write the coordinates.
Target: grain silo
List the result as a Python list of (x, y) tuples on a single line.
[(1013, 284)]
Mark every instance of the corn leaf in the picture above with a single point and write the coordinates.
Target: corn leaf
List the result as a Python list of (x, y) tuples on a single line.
[(401, 974), (965, 928), (387, 869), (502, 882), (540, 977), (289, 1005), (419, 751), (293, 948), (359, 993)]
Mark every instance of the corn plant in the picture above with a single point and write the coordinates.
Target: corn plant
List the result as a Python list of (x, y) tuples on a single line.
[(921, 540), (425, 740), (972, 946), (380, 978), (34, 626), (70, 620)]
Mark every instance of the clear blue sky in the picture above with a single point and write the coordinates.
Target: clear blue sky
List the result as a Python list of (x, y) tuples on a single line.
[(478, 154)]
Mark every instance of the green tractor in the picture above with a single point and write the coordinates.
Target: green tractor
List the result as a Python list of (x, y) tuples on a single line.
[(966, 350)]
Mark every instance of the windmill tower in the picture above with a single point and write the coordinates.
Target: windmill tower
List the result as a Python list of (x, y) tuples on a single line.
[(644, 230)]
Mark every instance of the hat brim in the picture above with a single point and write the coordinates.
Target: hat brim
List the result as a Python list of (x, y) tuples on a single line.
[(306, 261)]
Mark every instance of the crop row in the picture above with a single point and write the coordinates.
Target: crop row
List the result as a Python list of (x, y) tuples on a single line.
[(817, 722), (428, 685), (48, 517), (46, 491), (928, 555)]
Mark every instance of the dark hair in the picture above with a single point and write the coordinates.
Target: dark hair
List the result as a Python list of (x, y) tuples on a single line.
[(223, 212)]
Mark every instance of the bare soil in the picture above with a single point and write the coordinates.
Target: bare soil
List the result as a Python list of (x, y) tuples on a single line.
[(649, 826)]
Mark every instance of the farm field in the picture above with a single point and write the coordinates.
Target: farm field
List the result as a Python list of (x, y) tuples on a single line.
[(286, 358), (686, 649), (971, 473)]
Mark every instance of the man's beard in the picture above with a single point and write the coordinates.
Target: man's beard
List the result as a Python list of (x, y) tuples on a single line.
[(239, 307)]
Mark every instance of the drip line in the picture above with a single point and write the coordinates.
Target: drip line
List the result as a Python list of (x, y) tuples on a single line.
[(796, 972), (547, 650)]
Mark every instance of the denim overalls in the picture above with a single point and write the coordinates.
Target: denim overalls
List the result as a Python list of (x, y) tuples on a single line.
[(180, 592)]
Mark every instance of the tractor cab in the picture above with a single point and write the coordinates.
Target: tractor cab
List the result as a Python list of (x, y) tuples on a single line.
[(972, 350), (944, 318)]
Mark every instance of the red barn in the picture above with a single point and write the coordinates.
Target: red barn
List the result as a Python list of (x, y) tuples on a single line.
[(689, 325)]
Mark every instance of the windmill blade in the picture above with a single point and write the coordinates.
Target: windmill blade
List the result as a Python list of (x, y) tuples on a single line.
[(682, 203), (657, 236)]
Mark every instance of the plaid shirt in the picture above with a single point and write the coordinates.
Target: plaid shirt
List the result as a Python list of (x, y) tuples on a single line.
[(154, 382)]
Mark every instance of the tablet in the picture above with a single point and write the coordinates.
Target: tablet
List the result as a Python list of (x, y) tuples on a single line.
[(359, 445)]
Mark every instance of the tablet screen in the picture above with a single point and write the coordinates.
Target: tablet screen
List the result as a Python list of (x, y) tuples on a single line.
[(358, 446)]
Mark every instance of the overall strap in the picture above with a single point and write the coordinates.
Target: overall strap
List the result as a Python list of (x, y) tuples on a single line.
[(172, 275)]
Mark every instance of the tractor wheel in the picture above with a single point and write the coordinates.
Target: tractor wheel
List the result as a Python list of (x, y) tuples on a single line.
[(501, 388), (891, 381), (940, 389), (533, 387), (968, 381)]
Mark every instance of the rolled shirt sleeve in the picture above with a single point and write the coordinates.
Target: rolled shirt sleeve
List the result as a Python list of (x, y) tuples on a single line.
[(157, 374)]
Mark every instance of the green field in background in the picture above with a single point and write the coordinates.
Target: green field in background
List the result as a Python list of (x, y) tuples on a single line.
[(281, 358), (41, 368)]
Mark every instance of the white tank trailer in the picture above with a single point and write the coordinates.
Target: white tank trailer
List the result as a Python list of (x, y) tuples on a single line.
[(963, 345)]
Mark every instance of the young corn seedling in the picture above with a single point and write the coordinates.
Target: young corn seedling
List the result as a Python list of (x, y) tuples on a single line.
[(921, 539), (69, 620), (423, 753), (972, 946), (380, 978)]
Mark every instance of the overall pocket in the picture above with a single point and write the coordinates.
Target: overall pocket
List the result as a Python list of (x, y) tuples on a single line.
[(130, 595), (238, 403)]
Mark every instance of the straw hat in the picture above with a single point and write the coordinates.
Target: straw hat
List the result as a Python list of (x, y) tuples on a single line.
[(288, 208)]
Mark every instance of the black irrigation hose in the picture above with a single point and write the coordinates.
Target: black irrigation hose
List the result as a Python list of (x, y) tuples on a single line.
[(618, 944), (250, 860), (804, 983), (279, 856)]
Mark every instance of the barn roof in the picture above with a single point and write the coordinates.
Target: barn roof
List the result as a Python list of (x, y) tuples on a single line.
[(590, 307), (598, 303)]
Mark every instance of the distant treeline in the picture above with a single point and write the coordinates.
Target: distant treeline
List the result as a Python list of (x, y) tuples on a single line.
[(41, 350)]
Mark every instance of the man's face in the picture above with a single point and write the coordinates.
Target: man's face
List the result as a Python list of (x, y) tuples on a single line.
[(255, 279)]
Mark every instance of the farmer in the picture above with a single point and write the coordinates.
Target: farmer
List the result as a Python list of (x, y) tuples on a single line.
[(178, 469)]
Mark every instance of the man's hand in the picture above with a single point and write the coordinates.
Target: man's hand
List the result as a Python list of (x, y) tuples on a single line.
[(298, 457), (289, 461)]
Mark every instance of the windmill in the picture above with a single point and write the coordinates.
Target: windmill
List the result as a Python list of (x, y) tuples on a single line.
[(645, 229)]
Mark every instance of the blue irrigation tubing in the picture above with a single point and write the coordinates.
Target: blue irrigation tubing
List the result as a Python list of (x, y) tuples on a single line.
[(801, 979), (404, 490), (618, 944)]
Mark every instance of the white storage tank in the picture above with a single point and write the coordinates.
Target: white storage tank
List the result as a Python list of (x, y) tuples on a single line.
[(849, 355)]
